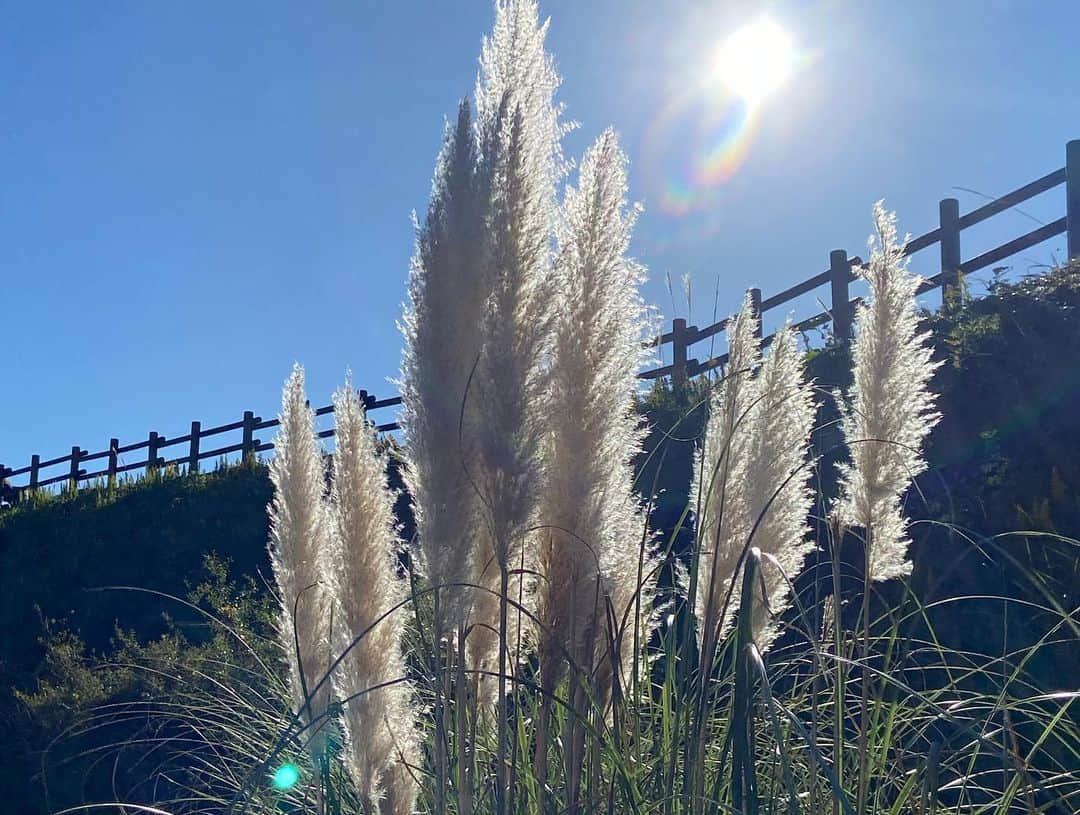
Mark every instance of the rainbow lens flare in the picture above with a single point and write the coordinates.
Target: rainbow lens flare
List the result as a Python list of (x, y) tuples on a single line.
[(700, 146), (701, 136)]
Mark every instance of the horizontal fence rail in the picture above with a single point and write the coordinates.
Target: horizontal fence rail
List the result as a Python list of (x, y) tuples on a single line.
[(156, 444), (81, 466), (842, 268)]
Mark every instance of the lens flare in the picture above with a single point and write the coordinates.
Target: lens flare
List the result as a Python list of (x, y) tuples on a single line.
[(695, 145), (285, 777), (700, 138)]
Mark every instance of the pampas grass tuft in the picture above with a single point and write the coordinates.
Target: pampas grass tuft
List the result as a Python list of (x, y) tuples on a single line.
[(300, 532), (724, 510), (591, 523), (378, 717), (891, 410)]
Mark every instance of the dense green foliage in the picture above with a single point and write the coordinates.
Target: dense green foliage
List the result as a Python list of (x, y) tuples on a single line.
[(56, 550), (85, 702), (1005, 467), (1003, 462), (152, 533)]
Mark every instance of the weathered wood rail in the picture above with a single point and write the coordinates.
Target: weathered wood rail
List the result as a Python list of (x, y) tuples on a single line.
[(154, 445), (76, 468), (841, 272)]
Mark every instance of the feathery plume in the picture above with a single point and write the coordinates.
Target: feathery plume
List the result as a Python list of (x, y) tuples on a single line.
[(378, 716), (299, 537), (517, 72), (753, 490), (724, 511), (479, 281), (521, 161), (892, 408), (778, 483), (591, 522), (443, 336)]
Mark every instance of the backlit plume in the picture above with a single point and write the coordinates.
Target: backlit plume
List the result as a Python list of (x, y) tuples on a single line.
[(778, 490), (378, 719), (520, 162), (591, 531), (892, 408), (447, 293), (300, 531), (721, 480)]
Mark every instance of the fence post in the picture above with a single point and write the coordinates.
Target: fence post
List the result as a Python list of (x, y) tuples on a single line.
[(114, 452), (247, 448), (152, 453), (755, 309), (839, 283), (73, 473), (6, 490), (35, 470), (1072, 197), (193, 450), (949, 212), (678, 351)]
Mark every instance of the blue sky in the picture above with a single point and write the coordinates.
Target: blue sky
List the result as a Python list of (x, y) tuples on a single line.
[(196, 194)]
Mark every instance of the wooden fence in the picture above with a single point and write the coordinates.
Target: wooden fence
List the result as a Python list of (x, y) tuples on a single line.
[(841, 274), (78, 466), (157, 445)]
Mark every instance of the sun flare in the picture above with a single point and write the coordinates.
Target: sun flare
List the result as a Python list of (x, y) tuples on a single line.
[(755, 60)]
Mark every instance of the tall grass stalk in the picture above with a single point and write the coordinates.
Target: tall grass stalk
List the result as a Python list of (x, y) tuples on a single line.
[(891, 412), (519, 144), (723, 523), (588, 539), (300, 545), (380, 738)]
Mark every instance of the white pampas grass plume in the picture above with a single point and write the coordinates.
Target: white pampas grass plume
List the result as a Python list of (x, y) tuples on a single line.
[(479, 281), (378, 721), (591, 524), (516, 72), (448, 290), (511, 376), (520, 162), (777, 486), (892, 408), (753, 485), (299, 537), (721, 477)]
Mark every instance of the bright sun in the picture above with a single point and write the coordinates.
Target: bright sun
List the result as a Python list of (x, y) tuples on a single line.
[(755, 60)]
